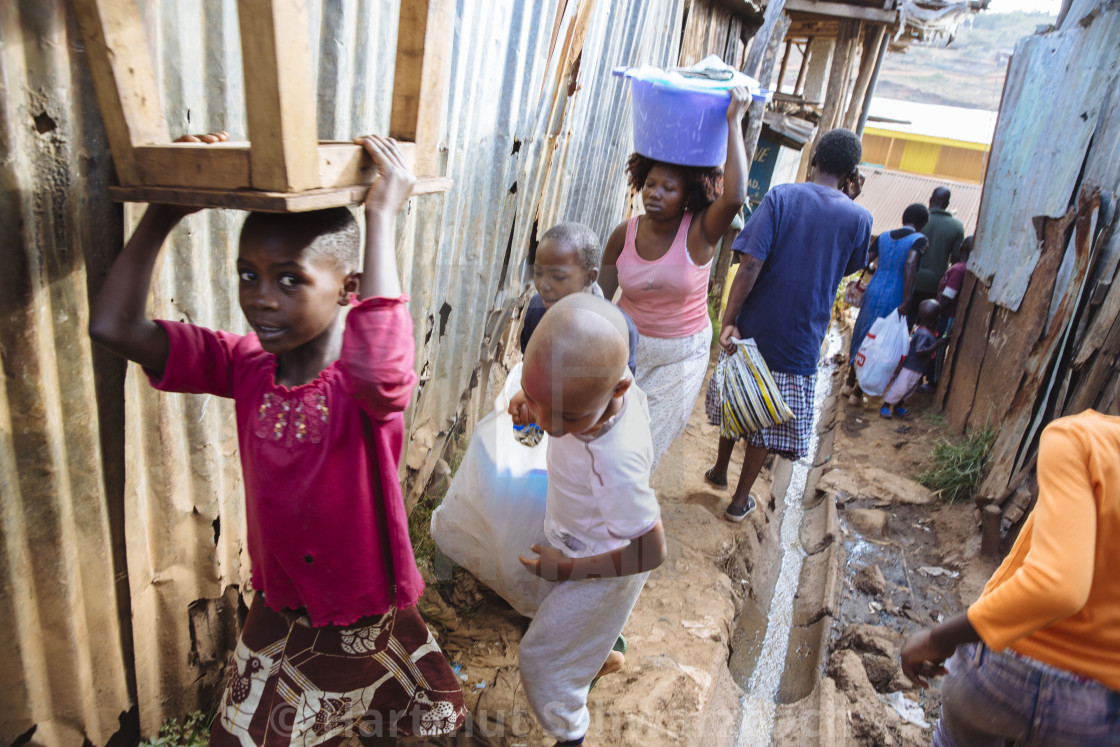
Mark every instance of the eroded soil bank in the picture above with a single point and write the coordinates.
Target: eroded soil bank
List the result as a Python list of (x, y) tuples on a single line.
[(905, 561)]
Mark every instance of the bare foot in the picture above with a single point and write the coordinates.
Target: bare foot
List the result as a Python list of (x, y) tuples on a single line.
[(614, 662)]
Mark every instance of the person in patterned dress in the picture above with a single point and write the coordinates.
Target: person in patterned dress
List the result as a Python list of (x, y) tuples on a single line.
[(333, 649)]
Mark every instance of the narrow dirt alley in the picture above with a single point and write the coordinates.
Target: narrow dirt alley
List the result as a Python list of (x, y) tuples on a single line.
[(879, 556)]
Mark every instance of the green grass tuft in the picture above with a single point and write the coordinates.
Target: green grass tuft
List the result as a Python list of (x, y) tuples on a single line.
[(193, 730), (420, 528), (935, 419), (958, 466)]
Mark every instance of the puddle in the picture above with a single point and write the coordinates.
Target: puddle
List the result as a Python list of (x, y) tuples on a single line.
[(760, 674)]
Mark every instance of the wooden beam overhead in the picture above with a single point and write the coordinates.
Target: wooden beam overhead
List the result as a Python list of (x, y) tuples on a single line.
[(123, 78), (264, 202), (424, 37), (283, 167), (276, 57), (228, 165), (841, 10)]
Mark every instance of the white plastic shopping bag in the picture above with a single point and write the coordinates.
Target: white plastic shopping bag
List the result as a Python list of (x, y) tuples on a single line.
[(494, 508), (881, 353)]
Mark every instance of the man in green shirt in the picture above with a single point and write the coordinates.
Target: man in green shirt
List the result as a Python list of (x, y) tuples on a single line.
[(945, 234)]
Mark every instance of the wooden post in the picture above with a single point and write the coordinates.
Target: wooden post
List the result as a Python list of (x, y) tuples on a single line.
[(424, 40), (760, 65), (799, 86), (990, 518), (276, 58), (785, 64), (838, 77), (873, 39), (870, 93), (121, 67)]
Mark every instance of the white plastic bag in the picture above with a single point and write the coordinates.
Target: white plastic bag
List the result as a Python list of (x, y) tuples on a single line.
[(494, 507), (881, 353)]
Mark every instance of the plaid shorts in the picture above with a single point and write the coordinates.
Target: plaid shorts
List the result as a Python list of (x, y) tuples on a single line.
[(790, 439), (711, 396)]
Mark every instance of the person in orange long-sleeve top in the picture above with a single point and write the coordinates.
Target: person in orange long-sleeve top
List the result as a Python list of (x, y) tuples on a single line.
[(1037, 656)]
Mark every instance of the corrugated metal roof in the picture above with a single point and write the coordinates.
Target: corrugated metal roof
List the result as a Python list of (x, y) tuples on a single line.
[(933, 120), (887, 193)]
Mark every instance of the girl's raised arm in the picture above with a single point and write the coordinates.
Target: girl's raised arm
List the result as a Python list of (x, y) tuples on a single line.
[(118, 317), (716, 219), (383, 201)]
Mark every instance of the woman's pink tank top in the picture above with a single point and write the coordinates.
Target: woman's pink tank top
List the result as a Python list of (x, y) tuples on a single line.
[(669, 296)]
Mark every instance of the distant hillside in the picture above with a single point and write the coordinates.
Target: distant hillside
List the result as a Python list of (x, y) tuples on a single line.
[(969, 72)]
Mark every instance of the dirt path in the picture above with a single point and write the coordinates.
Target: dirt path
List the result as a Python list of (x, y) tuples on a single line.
[(700, 610)]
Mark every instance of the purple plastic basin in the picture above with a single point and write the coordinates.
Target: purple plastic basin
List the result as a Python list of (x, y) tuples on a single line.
[(680, 126)]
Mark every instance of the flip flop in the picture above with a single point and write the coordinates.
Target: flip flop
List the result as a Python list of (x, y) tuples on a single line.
[(708, 479), (620, 646), (736, 514)]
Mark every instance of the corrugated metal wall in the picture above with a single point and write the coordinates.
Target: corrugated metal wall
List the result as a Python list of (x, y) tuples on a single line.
[(122, 508)]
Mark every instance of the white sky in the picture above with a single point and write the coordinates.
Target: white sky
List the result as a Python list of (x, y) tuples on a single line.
[(1006, 6)]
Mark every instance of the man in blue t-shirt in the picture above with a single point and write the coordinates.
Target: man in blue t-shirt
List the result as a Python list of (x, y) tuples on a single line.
[(796, 247)]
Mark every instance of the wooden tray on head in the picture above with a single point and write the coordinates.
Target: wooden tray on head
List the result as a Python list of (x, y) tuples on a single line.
[(284, 167)]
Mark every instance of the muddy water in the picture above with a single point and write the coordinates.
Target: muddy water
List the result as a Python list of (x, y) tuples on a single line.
[(759, 673)]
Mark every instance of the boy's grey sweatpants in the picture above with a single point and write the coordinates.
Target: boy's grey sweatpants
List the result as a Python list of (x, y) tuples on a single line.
[(567, 643)]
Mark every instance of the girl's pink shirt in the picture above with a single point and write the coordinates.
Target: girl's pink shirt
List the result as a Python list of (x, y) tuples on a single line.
[(327, 528), (667, 297)]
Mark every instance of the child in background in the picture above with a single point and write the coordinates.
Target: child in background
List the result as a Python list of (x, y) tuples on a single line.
[(948, 293), (333, 646), (602, 519), (923, 346), (567, 261)]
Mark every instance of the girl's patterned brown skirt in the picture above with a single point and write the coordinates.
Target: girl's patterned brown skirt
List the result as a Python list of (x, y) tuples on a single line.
[(292, 684)]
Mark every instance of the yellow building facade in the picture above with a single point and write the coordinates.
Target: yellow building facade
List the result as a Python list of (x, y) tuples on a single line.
[(929, 139)]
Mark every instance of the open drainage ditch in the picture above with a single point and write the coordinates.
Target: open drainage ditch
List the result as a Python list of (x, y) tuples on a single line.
[(773, 659)]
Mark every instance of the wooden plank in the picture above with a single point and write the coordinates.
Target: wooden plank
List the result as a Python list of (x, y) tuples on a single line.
[(279, 102), (227, 166), (968, 353), (784, 65), (424, 38), (990, 519), (1022, 418), (1055, 86), (1014, 335), (874, 37), (838, 77), (760, 64), (841, 10), (799, 86), (195, 165), (265, 202), (123, 79)]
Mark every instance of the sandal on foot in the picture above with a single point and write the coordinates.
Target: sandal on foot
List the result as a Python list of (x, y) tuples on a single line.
[(885, 412), (736, 513), (714, 483), (620, 646)]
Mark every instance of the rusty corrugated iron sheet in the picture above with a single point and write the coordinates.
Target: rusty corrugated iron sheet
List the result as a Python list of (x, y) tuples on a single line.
[(64, 637), (1055, 354), (887, 193), (122, 528), (1057, 132)]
